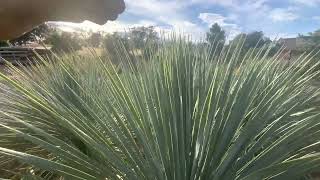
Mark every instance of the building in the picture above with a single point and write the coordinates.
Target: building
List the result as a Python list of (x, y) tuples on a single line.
[(293, 46)]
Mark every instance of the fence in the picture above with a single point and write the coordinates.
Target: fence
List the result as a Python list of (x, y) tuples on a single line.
[(20, 55)]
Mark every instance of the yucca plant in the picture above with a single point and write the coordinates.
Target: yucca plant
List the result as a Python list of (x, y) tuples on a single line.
[(179, 115)]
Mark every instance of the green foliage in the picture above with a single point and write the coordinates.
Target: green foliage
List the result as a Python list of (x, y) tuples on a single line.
[(309, 43), (139, 42), (110, 43), (140, 36), (254, 39), (4, 43), (216, 35), (316, 33), (216, 38), (180, 116), (143, 40), (95, 39), (63, 41)]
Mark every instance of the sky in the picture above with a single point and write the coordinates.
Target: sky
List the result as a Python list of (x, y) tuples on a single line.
[(276, 18)]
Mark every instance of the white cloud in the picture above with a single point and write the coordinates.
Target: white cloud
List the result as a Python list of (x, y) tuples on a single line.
[(154, 8), (120, 26), (235, 5), (307, 2), (177, 26), (167, 15), (316, 18), (281, 14), (231, 29), (276, 36), (211, 18), (251, 6), (109, 27), (226, 3), (181, 26), (250, 14), (85, 26), (175, 15)]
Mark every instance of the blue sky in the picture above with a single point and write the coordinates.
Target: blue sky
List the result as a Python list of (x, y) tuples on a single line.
[(276, 18)]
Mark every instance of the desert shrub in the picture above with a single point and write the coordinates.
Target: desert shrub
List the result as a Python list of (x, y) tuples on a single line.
[(180, 116)]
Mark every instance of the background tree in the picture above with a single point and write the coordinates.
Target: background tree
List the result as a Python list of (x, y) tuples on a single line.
[(254, 39), (238, 38), (63, 41), (120, 46), (315, 33), (138, 43), (95, 39), (309, 42), (143, 39), (253, 42), (216, 38), (216, 35), (109, 43), (140, 36), (37, 34)]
